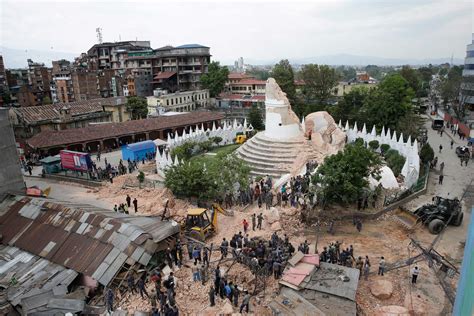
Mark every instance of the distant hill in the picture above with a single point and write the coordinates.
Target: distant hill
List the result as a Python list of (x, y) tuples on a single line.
[(354, 60), (16, 58)]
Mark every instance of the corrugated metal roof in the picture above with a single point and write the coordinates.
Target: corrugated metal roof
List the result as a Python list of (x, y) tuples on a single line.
[(89, 240), (37, 278)]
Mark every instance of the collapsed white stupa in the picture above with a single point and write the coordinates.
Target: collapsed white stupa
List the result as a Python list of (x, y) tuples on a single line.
[(286, 144)]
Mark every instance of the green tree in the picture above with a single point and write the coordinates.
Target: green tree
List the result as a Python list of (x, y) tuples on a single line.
[(410, 124), (137, 107), (346, 72), (215, 78), (395, 161), (343, 177), (320, 81), (412, 77), (7, 98), (260, 74), (451, 85), (349, 106), (426, 153), (190, 180), (284, 76), (384, 148), (46, 100), (184, 151), (374, 145), (390, 102), (255, 118), (195, 179)]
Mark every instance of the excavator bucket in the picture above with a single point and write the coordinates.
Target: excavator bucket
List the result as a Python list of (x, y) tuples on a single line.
[(46, 191), (221, 210), (406, 218)]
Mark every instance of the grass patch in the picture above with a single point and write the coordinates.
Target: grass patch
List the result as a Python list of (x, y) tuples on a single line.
[(224, 150)]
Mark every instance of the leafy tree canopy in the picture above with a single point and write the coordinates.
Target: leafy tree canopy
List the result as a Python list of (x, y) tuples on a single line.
[(343, 177), (212, 181), (412, 77), (426, 153), (255, 118), (215, 78), (137, 107), (284, 76), (319, 81)]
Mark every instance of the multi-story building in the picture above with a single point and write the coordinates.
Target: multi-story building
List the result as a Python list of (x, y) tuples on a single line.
[(39, 77), (185, 101), (3, 81), (180, 68), (248, 86), (61, 85), (467, 86), (17, 77), (112, 55), (84, 84), (139, 83)]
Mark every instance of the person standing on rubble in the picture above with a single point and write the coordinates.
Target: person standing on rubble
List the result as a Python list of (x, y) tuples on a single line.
[(254, 221), (131, 283), (224, 248), (381, 266), (217, 279), (366, 268), (246, 225), (135, 205), (196, 274), (259, 221), (235, 294), (128, 199), (414, 274), (212, 296), (205, 257), (245, 302), (109, 300), (153, 299), (142, 288), (359, 265)]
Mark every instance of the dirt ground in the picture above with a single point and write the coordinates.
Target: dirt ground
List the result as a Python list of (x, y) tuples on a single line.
[(381, 237)]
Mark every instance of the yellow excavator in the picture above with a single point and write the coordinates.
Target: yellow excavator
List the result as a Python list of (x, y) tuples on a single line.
[(202, 222)]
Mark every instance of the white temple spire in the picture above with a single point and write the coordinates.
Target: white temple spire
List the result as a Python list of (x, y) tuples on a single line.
[(373, 132)]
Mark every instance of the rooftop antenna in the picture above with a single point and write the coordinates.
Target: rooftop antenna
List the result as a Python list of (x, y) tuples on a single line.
[(451, 59), (99, 34)]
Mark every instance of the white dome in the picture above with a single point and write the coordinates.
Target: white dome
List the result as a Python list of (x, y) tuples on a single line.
[(387, 179)]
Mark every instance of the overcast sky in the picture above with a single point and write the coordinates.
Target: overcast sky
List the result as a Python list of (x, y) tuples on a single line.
[(259, 30)]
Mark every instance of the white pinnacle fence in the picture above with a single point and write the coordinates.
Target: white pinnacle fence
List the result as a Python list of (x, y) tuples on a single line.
[(227, 132), (409, 150)]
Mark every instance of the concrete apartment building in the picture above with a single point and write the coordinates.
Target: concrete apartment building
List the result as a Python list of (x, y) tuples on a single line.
[(39, 77), (139, 83), (467, 86), (61, 84), (185, 101), (174, 68), (112, 55)]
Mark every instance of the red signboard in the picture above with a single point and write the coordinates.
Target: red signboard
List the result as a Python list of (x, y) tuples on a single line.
[(74, 160)]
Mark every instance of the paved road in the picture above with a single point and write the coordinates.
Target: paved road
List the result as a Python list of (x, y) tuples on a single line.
[(63, 191), (456, 180)]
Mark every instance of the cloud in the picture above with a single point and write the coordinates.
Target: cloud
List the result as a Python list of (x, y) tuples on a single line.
[(254, 29)]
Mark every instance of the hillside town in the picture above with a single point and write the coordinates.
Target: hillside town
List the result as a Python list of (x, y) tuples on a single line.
[(147, 178)]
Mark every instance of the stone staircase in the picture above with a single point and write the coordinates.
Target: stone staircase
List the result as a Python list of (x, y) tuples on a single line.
[(267, 156)]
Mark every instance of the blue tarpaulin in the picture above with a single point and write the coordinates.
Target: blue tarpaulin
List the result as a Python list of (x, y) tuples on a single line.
[(138, 151)]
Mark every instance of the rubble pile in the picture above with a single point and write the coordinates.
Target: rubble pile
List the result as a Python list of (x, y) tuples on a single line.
[(151, 201)]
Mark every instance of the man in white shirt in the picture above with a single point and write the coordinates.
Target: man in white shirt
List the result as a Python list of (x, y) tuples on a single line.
[(414, 274)]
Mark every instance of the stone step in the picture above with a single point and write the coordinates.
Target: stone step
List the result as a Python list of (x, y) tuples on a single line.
[(275, 150), (258, 163), (269, 153), (273, 175), (268, 160), (276, 145), (263, 172), (265, 139)]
